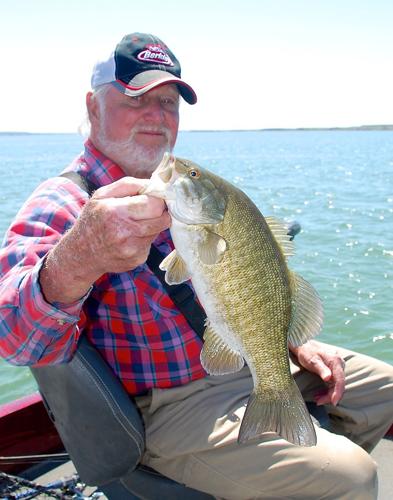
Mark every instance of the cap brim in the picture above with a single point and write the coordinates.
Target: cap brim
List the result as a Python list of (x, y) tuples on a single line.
[(148, 80)]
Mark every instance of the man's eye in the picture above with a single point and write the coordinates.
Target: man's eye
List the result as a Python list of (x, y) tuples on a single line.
[(135, 101), (169, 102)]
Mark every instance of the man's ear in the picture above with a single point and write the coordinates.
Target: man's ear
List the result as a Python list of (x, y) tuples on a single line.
[(92, 107)]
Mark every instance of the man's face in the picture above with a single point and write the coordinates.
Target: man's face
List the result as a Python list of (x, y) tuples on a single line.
[(135, 132)]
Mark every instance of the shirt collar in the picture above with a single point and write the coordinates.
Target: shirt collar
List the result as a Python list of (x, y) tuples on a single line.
[(97, 167)]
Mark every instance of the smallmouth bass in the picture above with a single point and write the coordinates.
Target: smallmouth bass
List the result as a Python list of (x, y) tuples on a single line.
[(236, 260)]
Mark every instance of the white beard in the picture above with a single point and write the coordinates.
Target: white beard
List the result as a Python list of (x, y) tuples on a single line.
[(135, 159)]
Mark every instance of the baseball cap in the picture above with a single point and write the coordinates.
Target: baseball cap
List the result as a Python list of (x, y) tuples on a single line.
[(139, 63)]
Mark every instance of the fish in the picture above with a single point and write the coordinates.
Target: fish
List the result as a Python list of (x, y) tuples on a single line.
[(236, 260)]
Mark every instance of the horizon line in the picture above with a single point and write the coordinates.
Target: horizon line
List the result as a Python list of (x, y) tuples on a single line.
[(267, 129)]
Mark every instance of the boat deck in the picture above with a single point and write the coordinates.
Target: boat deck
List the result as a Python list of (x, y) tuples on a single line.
[(383, 455)]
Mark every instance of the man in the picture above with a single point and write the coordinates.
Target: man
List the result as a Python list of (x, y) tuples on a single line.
[(72, 265)]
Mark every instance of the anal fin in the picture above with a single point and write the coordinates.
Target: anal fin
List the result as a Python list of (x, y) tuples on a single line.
[(216, 357)]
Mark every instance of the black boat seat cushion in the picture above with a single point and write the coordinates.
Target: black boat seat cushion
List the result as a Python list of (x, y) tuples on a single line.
[(101, 428)]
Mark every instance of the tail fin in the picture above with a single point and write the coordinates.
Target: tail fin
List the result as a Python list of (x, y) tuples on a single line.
[(286, 414)]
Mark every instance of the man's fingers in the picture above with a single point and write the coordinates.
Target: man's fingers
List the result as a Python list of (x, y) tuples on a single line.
[(323, 371), (339, 381), (150, 227), (317, 365), (137, 207), (122, 196), (328, 365), (143, 207), (322, 397), (335, 385), (127, 186)]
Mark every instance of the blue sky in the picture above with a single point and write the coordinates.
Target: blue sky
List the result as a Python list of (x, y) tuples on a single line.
[(253, 63)]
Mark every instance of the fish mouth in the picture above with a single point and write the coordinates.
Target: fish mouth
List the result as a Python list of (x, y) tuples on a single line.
[(189, 201), (161, 179)]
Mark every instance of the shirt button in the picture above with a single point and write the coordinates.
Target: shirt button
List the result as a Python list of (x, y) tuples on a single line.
[(61, 322)]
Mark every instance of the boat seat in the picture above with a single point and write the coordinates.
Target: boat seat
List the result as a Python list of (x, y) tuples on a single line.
[(102, 430)]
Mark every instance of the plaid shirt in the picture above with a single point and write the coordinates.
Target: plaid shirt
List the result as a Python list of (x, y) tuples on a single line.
[(127, 316)]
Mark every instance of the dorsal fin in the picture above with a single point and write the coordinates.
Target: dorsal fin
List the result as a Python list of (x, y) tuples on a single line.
[(280, 231), (307, 311)]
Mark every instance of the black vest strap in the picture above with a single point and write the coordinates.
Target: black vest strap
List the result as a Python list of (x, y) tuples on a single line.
[(80, 181), (181, 295)]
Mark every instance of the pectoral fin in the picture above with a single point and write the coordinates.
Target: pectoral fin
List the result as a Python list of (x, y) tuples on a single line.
[(176, 269), (211, 247), (216, 357), (307, 311)]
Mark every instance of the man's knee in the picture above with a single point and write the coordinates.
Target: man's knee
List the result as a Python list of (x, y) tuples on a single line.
[(351, 472)]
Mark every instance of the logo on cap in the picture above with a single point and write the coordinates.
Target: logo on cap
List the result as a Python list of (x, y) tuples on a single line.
[(155, 54)]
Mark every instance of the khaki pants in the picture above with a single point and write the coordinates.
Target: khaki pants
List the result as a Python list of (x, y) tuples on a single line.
[(191, 437)]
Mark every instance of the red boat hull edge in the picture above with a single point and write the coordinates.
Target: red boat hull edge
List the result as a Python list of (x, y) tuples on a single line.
[(26, 429)]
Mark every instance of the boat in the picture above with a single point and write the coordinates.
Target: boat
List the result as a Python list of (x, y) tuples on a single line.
[(26, 429), (30, 445)]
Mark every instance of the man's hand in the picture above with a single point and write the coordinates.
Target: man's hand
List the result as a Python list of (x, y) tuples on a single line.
[(113, 234), (121, 225), (317, 358)]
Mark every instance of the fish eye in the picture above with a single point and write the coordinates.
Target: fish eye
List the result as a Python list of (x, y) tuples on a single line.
[(193, 172)]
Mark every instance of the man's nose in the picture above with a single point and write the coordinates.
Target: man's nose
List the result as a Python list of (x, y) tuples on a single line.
[(154, 111)]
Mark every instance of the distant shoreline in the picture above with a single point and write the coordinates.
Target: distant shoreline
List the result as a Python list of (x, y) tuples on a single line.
[(361, 128)]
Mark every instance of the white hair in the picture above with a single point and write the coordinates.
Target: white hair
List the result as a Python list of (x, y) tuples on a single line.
[(99, 93)]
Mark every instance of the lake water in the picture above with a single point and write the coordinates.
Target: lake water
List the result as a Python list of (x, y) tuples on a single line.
[(338, 185)]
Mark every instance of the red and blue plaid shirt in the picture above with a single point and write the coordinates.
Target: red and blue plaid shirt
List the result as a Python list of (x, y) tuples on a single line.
[(128, 316)]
